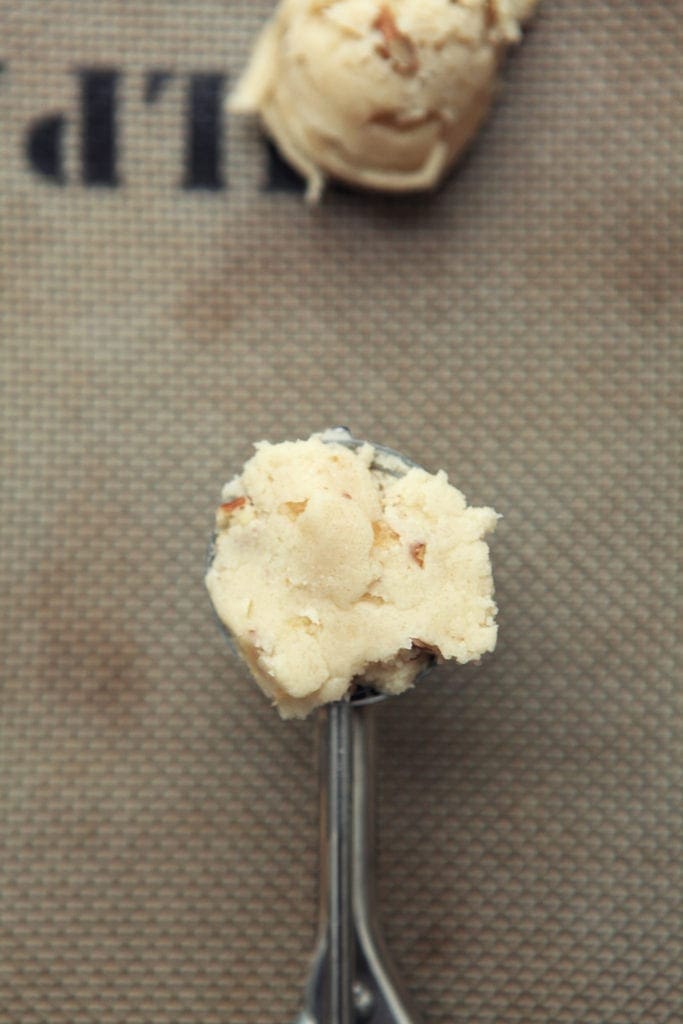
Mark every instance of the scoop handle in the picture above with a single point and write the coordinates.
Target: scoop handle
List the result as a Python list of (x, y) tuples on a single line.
[(350, 981)]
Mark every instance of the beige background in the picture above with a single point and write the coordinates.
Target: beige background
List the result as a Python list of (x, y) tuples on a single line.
[(521, 329)]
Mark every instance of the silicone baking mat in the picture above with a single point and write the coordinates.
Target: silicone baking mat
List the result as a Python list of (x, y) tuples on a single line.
[(167, 299)]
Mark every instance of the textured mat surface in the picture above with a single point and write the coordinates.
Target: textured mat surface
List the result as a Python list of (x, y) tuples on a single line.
[(161, 308)]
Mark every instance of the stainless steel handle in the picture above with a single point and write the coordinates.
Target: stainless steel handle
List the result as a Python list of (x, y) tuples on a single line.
[(350, 981)]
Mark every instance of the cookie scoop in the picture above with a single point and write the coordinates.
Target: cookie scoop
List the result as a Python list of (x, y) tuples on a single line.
[(342, 571)]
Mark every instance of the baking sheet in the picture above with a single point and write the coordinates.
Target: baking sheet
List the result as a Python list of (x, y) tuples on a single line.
[(521, 328)]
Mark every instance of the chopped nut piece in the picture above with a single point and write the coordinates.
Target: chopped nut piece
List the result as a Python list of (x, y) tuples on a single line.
[(293, 508), (230, 506), (383, 534), (303, 622), (417, 553), (491, 13), (397, 47), (420, 645), (227, 508)]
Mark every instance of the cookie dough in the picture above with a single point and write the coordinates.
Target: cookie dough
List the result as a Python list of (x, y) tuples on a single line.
[(380, 93), (335, 565)]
